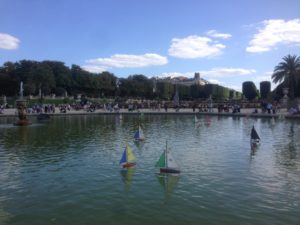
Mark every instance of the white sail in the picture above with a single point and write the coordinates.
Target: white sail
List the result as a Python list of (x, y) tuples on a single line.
[(196, 119), (141, 133), (171, 163)]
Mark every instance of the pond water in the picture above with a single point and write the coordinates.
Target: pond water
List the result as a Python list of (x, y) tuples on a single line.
[(66, 171)]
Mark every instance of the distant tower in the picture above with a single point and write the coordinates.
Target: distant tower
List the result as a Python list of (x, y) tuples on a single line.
[(197, 78)]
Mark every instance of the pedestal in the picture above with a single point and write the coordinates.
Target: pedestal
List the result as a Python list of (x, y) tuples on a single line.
[(21, 107)]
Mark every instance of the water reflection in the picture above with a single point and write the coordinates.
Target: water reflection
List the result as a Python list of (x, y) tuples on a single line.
[(287, 148), (67, 168), (169, 183), (292, 153), (127, 177), (254, 147), (4, 216)]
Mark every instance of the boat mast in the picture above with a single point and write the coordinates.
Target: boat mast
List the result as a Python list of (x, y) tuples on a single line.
[(126, 151), (166, 155)]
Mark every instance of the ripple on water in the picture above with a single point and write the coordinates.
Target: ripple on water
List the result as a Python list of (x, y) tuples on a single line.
[(67, 172)]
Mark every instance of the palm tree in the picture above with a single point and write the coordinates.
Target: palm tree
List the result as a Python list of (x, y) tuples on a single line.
[(288, 73)]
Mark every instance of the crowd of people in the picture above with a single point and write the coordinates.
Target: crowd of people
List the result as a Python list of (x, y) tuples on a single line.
[(222, 107)]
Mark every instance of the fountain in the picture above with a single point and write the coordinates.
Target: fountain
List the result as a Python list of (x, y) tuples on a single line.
[(21, 107)]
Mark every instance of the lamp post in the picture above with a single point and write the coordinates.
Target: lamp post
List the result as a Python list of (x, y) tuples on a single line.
[(176, 98), (154, 85), (285, 98), (118, 83)]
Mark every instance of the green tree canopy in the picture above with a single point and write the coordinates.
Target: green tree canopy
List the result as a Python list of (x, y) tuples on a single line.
[(265, 89), (249, 90), (288, 73)]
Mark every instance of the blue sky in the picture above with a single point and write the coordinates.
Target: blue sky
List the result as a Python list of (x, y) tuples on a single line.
[(228, 42)]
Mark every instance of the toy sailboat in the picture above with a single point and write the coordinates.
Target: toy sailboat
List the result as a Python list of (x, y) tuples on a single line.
[(166, 162), (197, 122), (139, 135), (255, 139), (196, 119), (128, 158)]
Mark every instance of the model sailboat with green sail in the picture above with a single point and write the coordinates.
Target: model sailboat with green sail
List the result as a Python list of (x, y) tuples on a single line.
[(166, 162), (128, 158)]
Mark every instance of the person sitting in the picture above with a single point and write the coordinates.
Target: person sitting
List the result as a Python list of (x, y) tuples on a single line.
[(166, 107), (294, 110)]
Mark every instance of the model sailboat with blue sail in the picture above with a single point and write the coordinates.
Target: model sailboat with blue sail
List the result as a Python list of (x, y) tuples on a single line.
[(128, 158), (139, 135), (166, 162)]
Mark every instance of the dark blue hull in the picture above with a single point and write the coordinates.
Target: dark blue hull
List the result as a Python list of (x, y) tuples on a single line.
[(168, 170)]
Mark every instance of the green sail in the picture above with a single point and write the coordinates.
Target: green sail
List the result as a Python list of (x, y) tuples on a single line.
[(162, 161)]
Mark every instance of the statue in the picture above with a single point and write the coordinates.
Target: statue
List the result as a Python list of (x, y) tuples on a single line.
[(21, 107)]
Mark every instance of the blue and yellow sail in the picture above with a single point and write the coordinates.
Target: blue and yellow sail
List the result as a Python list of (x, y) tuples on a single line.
[(128, 158)]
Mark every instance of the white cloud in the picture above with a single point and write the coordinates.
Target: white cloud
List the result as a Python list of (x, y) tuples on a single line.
[(222, 76), (235, 87), (213, 73), (264, 77), (125, 61), (227, 72), (94, 68), (215, 34), (267, 76), (177, 74), (195, 47), (214, 81), (8, 42), (273, 33)]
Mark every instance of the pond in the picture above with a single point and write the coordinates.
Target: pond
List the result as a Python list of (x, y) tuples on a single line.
[(66, 171)]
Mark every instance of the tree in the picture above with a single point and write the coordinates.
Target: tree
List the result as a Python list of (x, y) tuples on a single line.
[(197, 91), (43, 78), (106, 83), (265, 89), (62, 75), (9, 81), (249, 90), (288, 73)]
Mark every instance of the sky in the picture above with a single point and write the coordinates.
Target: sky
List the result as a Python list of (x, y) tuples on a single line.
[(228, 42)]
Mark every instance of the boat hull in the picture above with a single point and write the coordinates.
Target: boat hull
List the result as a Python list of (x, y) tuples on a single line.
[(254, 141), (23, 122), (139, 139), (169, 170), (128, 165), (43, 116)]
